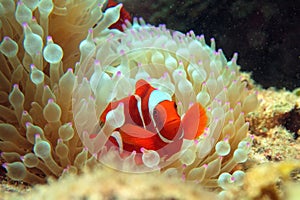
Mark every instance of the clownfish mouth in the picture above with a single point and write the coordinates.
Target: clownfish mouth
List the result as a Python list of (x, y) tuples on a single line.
[(153, 123)]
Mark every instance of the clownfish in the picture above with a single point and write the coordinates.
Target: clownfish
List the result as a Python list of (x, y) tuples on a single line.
[(152, 121), (124, 15)]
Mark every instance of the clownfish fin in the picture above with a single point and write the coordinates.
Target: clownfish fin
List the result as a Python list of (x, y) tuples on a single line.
[(194, 121), (135, 138), (114, 105), (135, 131), (124, 15)]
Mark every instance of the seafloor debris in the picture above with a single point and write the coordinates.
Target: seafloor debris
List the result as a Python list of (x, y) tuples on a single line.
[(291, 121)]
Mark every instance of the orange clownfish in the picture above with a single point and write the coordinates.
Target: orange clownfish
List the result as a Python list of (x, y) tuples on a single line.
[(152, 122), (124, 15)]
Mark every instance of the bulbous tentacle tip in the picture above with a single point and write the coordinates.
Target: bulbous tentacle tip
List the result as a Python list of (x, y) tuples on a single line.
[(16, 170), (4, 165), (150, 158)]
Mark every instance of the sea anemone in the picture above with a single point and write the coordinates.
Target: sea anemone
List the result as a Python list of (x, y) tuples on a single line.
[(50, 116), (185, 68), (39, 48)]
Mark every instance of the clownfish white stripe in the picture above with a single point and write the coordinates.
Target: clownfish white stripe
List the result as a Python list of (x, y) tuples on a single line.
[(139, 106), (162, 137), (155, 98)]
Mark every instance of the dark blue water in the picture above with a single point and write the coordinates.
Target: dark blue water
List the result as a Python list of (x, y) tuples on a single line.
[(264, 33)]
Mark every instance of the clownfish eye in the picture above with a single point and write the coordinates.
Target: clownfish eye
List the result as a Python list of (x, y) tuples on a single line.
[(155, 113), (175, 106)]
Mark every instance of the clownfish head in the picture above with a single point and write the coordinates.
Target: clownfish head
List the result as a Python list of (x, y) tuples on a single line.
[(167, 120)]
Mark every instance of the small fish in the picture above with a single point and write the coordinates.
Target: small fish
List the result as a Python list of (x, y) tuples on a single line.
[(124, 15), (152, 122)]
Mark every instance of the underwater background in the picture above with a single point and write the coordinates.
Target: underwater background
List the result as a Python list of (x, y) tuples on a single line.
[(264, 33)]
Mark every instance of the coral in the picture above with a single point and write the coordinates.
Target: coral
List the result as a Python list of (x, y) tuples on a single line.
[(108, 184), (296, 91), (275, 152), (50, 110), (277, 185), (291, 121), (273, 141), (273, 106)]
